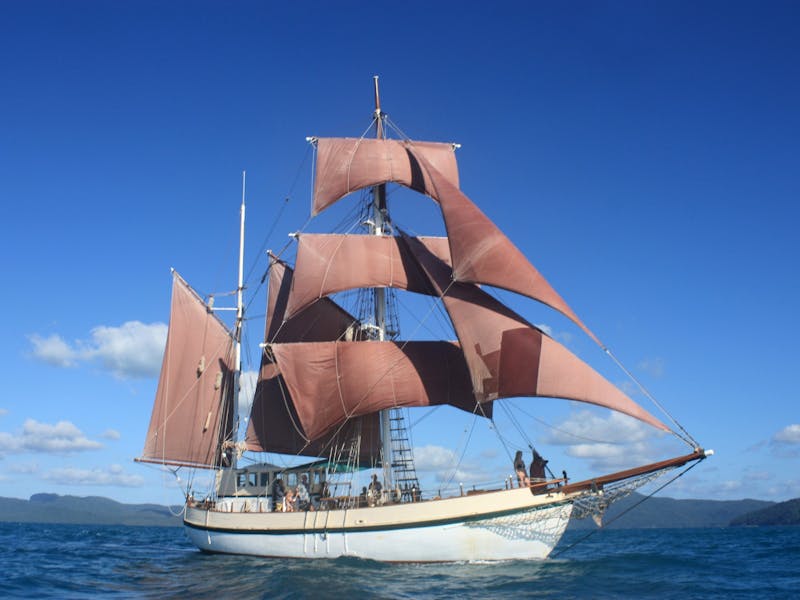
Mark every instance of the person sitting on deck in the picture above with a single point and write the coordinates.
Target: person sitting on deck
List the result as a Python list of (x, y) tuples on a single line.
[(289, 502), (519, 467), (374, 493), (538, 465), (303, 499), (278, 494)]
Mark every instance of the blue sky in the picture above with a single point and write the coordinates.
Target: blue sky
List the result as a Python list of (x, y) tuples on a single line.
[(644, 156)]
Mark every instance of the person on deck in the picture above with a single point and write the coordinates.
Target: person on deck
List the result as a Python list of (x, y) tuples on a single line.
[(519, 467), (374, 493), (290, 501), (537, 468), (278, 494), (303, 499)]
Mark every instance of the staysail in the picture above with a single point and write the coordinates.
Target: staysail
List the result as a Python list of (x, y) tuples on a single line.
[(193, 410), (507, 356)]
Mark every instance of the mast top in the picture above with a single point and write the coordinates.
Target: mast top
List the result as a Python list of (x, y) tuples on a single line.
[(378, 113)]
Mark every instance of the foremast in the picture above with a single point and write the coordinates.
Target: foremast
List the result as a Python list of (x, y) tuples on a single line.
[(237, 332)]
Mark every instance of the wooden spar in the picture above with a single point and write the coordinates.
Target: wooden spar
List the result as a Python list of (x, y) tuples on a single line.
[(599, 482)]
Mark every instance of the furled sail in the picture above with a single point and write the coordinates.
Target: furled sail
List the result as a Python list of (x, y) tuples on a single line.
[(193, 410), (348, 164), (507, 356), (330, 382), (274, 425), (332, 263)]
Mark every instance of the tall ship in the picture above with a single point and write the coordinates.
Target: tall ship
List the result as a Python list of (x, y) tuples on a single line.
[(338, 380)]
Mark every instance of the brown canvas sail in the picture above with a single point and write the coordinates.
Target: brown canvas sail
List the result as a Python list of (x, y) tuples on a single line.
[(193, 410), (322, 321), (481, 253), (507, 356), (331, 382), (348, 164), (274, 425), (332, 263)]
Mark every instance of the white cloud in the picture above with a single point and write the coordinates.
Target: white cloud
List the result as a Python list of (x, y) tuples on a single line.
[(788, 435), (112, 475), (786, 442), (585, 426), (111, 434), (63, 437), (613, 442), (132, 350), (562, 336), (444, 465), (3, 412), (53, 350), (24, 468), (434, 458)]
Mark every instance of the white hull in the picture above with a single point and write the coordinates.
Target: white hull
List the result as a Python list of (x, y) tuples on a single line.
[(501, 525)]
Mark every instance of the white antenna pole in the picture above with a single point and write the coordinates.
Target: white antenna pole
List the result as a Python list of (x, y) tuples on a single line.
[(240, 287), (238, 327)]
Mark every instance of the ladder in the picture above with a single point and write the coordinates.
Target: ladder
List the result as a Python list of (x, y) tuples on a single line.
[(404, 472)]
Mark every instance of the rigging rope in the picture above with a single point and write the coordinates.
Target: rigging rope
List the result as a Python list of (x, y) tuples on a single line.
[(626, 511), (686, 437)]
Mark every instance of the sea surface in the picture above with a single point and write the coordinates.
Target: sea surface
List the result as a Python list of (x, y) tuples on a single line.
[(78, 561)]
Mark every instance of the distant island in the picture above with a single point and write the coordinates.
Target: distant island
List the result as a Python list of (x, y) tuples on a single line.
[(783, 513), (90, 510), (653, 513), (666, 513)]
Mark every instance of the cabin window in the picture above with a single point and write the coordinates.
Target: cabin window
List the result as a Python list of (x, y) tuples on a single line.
[(291, 479), (241, 479), (251, 479), (264, 479)]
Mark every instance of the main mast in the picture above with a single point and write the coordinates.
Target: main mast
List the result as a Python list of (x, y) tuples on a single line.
[(377, 227)]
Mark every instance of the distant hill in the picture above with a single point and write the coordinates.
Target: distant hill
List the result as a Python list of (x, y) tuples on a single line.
[(664, 513), (52, 508), (783, 513)]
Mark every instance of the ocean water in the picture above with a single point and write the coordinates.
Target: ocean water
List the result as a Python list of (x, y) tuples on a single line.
[(77, 561)]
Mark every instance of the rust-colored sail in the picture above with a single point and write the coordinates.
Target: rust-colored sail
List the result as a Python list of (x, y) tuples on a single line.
[(321, 321), (193, 410), (481, 253), (331, 382), (273, 425), (348, 164), (331, 263), (507, 356)]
